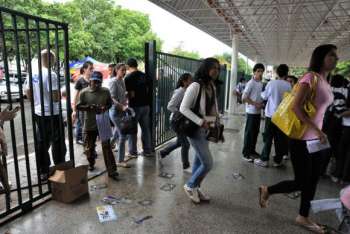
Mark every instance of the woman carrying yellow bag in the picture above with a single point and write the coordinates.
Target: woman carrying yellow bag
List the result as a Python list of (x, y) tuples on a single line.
[(314, 89)]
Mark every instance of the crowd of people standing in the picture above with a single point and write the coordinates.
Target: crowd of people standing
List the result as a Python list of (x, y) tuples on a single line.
[(97, 106)]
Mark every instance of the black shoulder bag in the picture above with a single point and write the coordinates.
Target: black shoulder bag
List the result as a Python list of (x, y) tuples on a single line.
[(181, 124)]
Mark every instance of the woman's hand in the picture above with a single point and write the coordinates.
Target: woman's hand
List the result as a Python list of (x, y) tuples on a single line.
[(74, 116), (205, 124), (321, 136)]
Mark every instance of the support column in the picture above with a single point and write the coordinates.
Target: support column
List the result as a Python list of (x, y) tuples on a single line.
[(234, 69)]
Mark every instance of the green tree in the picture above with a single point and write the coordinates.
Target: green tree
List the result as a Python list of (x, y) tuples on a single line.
[(97, 28), (243, 67), (297, 71), (181, 52), (343, 68)]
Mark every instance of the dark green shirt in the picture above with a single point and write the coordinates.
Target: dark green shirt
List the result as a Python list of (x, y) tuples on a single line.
[(101, 96)]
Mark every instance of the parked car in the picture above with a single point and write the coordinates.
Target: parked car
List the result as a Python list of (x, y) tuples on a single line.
[(13, 88)]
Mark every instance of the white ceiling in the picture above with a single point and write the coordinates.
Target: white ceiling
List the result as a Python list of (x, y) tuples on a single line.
[(275, 31)]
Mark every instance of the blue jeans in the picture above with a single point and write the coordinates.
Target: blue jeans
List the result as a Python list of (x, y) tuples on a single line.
[(182, 141), (143, 118), (79, 126), (116, 119), (203, 161), (113, 114)]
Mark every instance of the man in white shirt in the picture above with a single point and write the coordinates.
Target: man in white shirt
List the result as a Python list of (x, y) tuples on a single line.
[(254, 103), (49, 125), (273, 93)]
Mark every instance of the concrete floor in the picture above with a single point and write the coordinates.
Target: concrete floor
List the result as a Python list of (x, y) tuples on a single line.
[(233, 209)]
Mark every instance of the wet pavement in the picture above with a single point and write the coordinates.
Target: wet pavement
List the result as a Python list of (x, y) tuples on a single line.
[(151, 198)]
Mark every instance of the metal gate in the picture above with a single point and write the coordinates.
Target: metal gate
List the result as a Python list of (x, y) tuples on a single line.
[(165, 69), (22, 39)]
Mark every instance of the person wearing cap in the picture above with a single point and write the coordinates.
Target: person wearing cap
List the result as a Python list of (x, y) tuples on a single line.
[(94, 100), (47, 117), (138, 87)]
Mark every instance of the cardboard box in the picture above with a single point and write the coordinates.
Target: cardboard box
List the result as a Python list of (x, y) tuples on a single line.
[(68, 183)]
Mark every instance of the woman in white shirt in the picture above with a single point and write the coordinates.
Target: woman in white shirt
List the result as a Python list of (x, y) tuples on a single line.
[(203, 88)]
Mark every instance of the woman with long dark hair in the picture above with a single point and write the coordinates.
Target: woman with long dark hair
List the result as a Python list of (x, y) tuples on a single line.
[(307, 166), (203, 91), (174, 105)]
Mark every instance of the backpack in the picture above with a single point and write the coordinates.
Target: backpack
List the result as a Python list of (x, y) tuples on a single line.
[(181, 124)]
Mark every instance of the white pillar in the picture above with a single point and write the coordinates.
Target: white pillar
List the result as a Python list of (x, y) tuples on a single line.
[(234, 68)]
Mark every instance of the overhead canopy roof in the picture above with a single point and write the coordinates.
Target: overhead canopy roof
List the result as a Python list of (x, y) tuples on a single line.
[(275, 31)]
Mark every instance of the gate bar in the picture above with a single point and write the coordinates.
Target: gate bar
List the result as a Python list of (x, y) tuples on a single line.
[(23, 119)]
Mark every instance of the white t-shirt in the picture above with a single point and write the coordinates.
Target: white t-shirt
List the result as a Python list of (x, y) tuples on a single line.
[(107, 82), (46, 92), (253, 91), (274, 94)]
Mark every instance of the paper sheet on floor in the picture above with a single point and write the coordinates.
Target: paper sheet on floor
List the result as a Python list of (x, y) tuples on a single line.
[(325, 204), (106, 213)]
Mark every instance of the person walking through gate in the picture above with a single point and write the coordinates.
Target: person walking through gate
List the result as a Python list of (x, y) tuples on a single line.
[(83, 82), (94, 100), (307, 166), (174, 105), (138, 88), (203, 92), (48, 122), (254, 103), (274, 94)]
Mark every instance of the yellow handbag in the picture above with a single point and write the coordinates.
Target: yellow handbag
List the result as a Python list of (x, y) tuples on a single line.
[(284, 117)]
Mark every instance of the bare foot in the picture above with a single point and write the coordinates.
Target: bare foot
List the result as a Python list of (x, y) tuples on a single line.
[(263, 196), (306, 223)]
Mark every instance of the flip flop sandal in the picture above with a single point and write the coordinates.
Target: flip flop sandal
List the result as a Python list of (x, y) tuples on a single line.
[(315, 228)]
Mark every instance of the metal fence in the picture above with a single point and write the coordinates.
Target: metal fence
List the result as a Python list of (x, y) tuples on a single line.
[(22, 38), (166, 69), (169, 69)]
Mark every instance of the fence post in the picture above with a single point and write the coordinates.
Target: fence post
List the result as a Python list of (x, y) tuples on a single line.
[(150, 70)]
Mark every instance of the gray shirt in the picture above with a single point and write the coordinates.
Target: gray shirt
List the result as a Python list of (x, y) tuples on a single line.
[(118, 91), (175, 101)]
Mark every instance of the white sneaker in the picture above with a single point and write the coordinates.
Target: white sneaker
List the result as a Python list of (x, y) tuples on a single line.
[(247, 158), (188, 170), (192, 193), (261, 163), (277, 164), (203, 196), (334, 179)]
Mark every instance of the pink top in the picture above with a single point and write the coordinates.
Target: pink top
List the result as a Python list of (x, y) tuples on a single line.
[(345, 197), (323, 98)]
